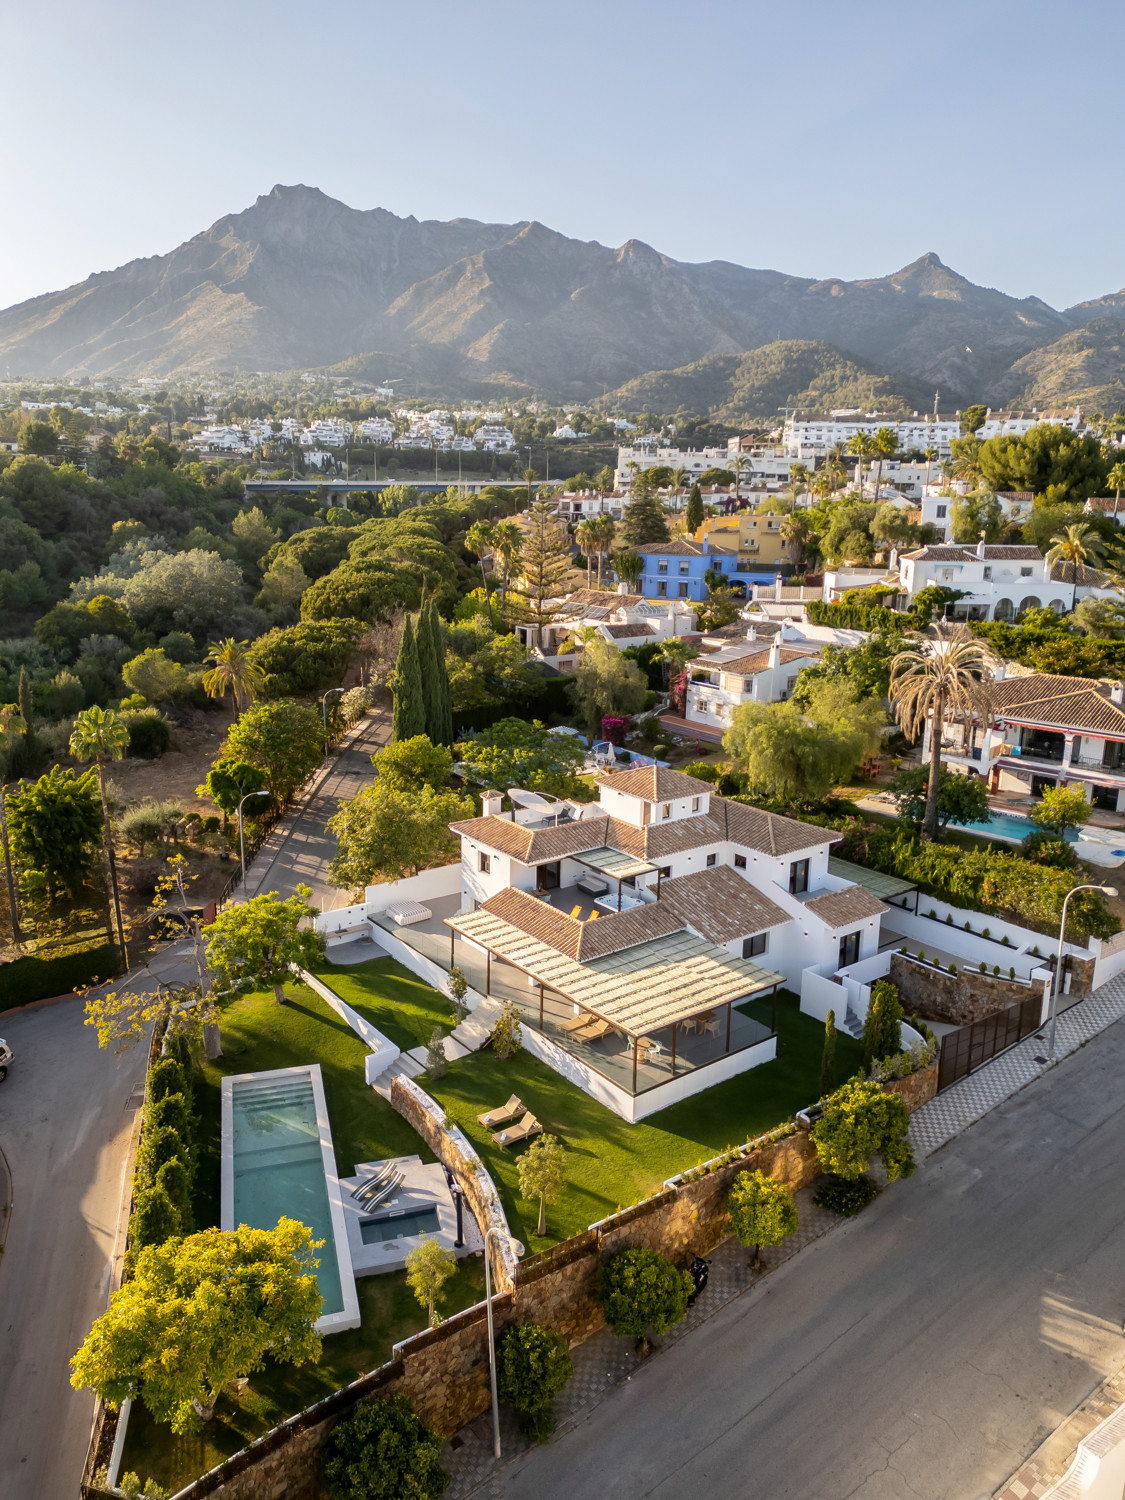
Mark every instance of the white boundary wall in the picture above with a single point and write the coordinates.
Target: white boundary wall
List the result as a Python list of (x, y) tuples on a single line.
[(445, 881), (383, 1051)]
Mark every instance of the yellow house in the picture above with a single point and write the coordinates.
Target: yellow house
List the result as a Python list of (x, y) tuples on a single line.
[(755, 537)]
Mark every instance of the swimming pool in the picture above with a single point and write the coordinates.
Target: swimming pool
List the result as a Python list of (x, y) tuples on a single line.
[(278, 1163), (1008, 826), (393, 1226)]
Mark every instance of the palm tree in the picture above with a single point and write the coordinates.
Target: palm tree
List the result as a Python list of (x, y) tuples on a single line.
[(862, 446), (586, 535), (946, 674), (795, 531), (885, 444), (680, 480), (966, 464), (674, 654), (741, 461), (605, 532), (479, 541), (507, 540), (1116, 477), (931, 454), (98, 735), (800, 477), (1082, 547), (629, 566), (529, 476), (233, 669)]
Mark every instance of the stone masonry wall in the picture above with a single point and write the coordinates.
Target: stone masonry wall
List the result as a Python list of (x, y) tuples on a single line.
[(958, 999)]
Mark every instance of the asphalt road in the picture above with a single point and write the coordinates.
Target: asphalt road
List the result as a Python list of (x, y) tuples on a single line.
[(303, 854), (65, 1129), (923, 1349)]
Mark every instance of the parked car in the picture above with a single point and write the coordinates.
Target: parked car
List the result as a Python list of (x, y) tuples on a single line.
[(5, 1059)]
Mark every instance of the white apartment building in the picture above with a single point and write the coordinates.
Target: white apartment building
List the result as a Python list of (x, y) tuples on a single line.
[(494, 437), (1019, 423), (415, 437), (808, 437), (377, 430), (999, 581), (219, 439), (581, 505), (325, 433)]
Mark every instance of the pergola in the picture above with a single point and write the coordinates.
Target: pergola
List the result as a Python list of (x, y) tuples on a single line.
[(638, 990), (617, 866), (882, 886)]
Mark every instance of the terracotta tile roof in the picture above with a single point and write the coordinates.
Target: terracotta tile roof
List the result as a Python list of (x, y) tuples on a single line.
[(841, 908), (720, 905), (992, 553), (759, 660), (767, 832), (530, 845), (670, 549), (1109, 505), (611, 933), (653, 783), (599, 599), (627, 632), (1090, 578), (1064, 702)]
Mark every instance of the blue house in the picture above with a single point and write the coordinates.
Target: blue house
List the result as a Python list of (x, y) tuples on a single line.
[(677, 570)]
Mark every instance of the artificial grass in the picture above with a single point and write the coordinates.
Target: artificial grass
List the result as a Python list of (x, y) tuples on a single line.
[(404, 1008), (277, 1391), (610, 1163)]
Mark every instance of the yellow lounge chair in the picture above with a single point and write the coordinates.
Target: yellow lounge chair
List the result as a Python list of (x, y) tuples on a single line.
[(502, 1115), (528, 1126), (595, 1031), (578, 1023)]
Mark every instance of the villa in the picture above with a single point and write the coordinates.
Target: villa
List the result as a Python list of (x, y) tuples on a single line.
[(999, 582)]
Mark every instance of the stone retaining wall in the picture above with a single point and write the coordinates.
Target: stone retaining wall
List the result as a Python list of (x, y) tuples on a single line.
[(958, 999)]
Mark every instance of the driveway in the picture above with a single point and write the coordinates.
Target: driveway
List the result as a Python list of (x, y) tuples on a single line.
[(923, 1349), (302, 854)]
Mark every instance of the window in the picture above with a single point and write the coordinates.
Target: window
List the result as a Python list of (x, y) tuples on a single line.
[(685, 567), (484, 863), (695, 804), (662, 567), (747, 684), (1025, 572), (547, 877), (987, 574), (740, 861), (798, 877), (666, 810), (665, 872), (849, 949), (753, 946), (712, 861), (942, 511)]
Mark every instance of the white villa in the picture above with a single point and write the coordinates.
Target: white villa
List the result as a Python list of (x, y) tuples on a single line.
[(749, 671), (622, 619), (999, 581)]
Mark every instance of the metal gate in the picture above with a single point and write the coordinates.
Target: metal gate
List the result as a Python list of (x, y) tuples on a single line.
[(964, 1050)]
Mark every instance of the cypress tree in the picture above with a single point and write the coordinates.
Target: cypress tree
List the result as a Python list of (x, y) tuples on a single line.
[(24, 696), (443, 734), (693, 516), (828, 1056), (409, 717), (427, 669)]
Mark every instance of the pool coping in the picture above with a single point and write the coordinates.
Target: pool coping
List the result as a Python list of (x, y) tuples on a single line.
[(349, 1316)]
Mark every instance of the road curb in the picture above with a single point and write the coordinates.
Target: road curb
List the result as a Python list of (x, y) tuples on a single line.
[(7, 1201)]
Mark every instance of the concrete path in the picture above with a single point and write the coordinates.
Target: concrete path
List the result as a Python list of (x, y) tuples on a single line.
[(299, 849), (921, 1349), (66, 1114)]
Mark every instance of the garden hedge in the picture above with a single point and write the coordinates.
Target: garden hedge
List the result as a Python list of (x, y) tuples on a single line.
[(32, 978)]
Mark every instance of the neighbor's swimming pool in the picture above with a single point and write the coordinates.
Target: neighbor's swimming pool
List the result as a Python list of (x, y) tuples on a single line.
[(1008, 826)]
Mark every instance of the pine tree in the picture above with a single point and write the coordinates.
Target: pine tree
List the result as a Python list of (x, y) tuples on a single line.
[(427, 669), (693, 516), (409, 716), (645, 522), (828, 1056), (545, 561)]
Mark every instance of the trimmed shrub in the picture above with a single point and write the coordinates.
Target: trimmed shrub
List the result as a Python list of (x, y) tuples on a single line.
[(640, 1290), (154, 1219), (32, 978), (845, 1196), (703, 771), (384, 1451), (533, 1365), (150, 735), (156, 1148), (173, 1111), (860, 1120), (166, 1076)]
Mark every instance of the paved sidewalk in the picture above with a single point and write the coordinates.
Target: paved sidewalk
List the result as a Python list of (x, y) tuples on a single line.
[(958, 1107), (1052, 1458)]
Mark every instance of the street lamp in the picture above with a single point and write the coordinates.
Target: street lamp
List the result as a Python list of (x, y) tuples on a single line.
[(491, 1337), (241, 836), (324, 715), (1106, 890)]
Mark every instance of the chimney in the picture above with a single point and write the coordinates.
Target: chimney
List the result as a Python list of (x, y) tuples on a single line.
[(491, 803), (1117, 693), (775, 651), (894, 560), (777, 587), (752, 633), (980, 546), (622, 588)]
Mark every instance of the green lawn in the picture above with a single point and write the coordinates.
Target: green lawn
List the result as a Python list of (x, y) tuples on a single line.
[(611, 1163), (404, 1009)]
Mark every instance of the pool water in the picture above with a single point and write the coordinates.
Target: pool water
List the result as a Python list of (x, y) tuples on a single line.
[(1008, 826), (394, 1225), (278, 1168)]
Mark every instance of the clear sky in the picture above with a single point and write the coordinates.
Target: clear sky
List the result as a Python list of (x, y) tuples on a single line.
[(819, 139)]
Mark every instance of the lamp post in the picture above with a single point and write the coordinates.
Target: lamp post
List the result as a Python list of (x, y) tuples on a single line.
[(324, 715), (1056, 979), (241, 835), (491, 1337)]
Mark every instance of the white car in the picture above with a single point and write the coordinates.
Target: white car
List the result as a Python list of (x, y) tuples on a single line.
[(5, 1058)]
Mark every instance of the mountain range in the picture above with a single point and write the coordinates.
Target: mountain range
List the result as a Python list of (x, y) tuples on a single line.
[(302, 281)]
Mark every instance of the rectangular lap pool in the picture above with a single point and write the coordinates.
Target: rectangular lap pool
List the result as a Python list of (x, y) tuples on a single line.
[(393, 1226), (278, 1163)]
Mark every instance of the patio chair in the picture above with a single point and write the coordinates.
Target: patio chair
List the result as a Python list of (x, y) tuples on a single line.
[(577, 1023), (375, 1181), (527, 1127), (387, 1190), (594, 1032), (576, 911), (502, 1115)]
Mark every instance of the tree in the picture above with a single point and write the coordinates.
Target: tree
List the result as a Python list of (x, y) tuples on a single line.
[(479, 541), (409, 715), (882, 1034), (960, 799), (253, 536), (514, 752), (604, 534), (24, 703), (966, 465), (629, 566), (283, 584), (944, 675), (260, 940), (194, 591), (413, 763), (198, 1313), (432, 675), (38, 438), (1060, 808), (305, 658), (533, 1365), (762, 1211), (645, 522), (1115, 480), (435, 1054), (507, 541), (798, 754), (457, 986), (828, 1055), (384, 1451), (99, 736), (542, 1174), (885, 445), (155, 677), (54, 824), (586, 535), (545, 563), (970, 515), (232, 668), (639, 1289), (867, 667), (1049, 459), (720, 607), (972, 419), (605, 682), (860, 1119), (386, 832), (863, 446), (693, 515), (285, 740), (228, 781), (1079, 547), (428, 1267)]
